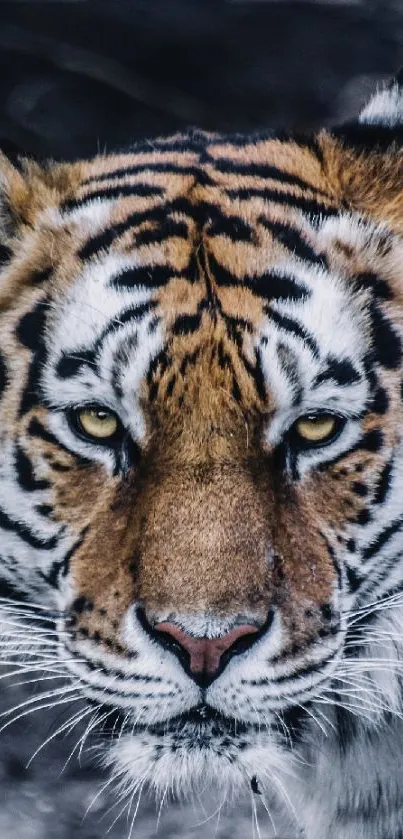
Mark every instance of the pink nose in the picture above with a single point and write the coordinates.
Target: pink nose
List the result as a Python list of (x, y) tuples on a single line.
[(205, 653)]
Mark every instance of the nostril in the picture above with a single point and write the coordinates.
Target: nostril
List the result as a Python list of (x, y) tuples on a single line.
[(206, 654)]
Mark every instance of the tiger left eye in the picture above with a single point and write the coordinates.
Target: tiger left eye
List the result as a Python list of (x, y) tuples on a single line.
[(97, 423), (319, 428)]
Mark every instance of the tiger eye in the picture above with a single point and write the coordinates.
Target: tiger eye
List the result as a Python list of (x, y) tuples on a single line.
[(315, 429), (97, 423)]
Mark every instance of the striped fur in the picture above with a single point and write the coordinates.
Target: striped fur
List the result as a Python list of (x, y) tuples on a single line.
[(210, 291)]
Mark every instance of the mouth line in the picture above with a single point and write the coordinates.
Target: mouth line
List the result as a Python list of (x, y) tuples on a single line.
[(202, 722)]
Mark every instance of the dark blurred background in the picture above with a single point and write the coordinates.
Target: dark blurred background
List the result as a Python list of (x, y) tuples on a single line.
[(82, 76)]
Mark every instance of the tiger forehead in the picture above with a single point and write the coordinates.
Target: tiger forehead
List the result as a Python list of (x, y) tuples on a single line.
[(201, 272)]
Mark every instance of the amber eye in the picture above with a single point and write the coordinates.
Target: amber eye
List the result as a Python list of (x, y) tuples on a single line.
[(313, 429), (96, 423)]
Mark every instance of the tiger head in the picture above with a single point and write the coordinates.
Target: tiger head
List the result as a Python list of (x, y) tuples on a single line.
[(201, 413)]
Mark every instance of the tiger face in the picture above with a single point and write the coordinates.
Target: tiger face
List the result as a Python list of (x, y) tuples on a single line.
[(201, 417)]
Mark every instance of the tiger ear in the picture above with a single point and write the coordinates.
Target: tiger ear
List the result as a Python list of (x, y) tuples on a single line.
[(380, 123), (24, 192), (385, 108), (13, 199), (27, 188), (365, 157)]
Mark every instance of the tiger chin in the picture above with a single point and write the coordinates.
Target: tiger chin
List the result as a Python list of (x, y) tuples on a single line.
[(201, 461)]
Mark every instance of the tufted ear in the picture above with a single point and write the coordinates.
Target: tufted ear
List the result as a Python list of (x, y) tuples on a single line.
[(364, 158), (385, 109), (27, 189), (380, 123)]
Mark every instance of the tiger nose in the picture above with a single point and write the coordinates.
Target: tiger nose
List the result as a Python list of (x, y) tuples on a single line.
[(206, 654)]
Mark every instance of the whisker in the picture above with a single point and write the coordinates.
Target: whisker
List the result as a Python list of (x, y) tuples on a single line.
[(67, 726), (40, 708), (40, 697)]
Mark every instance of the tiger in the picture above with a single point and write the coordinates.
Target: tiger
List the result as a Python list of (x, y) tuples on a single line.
[(201, 506)]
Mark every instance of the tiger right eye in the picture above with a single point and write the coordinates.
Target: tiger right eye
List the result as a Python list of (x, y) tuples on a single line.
[(97, 423)]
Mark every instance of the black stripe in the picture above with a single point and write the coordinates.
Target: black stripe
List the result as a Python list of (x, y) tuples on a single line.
[(340, 371), (25, 473), (149, 276), (305, 141), (30, 393), (384, 482), (186, 324), (308, 205), (365, 137), (6, 523), (60, 568), (150, 166), (31, 327), (317, 667), (3, 374), (5, 254), (44, 510), (371, 587), (277, 287), (371, 441), (36, 429), (71, 363), (112, 192), (233, 227), (189, 360), (262, 170), (354, 579), (134, 313), (201, 213), (290, 325), (375, 284), (293, 240), (270, 285), (41, 276), (382, 539), (30, 332), (169, 229), (386, 343), (379, 401), (105, 239)]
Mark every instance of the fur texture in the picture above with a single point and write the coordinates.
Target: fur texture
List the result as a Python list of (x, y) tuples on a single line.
[(210, 291)]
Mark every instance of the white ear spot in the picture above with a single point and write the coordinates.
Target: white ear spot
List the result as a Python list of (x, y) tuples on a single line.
[(385, 108)]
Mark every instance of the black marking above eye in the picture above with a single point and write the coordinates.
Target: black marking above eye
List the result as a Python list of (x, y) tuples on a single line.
[(292, 326), (340, 371), (273, 286)]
